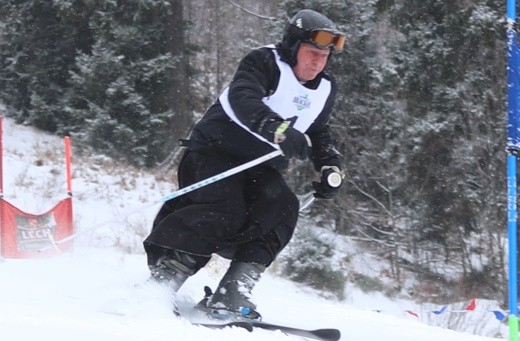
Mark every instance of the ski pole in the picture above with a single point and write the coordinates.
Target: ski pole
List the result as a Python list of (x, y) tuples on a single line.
[(172, 195), (307, 200), (222, 175)]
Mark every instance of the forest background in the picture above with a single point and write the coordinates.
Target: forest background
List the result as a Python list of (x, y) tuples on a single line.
[(420, 118)]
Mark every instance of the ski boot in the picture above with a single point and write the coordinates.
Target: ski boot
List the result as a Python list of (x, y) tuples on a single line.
[(232, 299), (172, 271)]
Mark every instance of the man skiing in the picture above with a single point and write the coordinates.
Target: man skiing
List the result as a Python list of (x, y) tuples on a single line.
[(279, 98)]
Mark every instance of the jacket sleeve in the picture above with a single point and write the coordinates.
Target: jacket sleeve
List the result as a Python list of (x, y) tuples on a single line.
[(323, 151), (256, 76)]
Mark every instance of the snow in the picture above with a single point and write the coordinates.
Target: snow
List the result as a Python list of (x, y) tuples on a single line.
[(98, 290)]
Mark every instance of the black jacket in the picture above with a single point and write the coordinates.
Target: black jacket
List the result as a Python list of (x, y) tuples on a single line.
[(256, 77)]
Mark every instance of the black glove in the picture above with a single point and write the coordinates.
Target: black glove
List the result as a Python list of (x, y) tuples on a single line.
[(331, 181), (292, 142)]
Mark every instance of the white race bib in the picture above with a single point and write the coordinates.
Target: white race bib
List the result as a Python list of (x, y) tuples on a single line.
[(291, 101)]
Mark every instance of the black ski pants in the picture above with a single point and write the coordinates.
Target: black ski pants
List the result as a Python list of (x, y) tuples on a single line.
[(247, 217)]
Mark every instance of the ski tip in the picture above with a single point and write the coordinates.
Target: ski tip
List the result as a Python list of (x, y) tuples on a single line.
[(327, 334)]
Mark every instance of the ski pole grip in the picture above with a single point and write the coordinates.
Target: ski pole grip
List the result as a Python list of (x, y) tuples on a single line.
[(334, 179)]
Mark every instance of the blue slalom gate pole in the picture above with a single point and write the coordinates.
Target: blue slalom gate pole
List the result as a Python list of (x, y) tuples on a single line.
[(512, 235), (513, 148)]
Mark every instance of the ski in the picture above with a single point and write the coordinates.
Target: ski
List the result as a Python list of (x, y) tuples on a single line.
[(328, 334), (240, 324), (198, 315)]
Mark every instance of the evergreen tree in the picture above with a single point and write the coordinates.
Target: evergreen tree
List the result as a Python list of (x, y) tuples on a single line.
[(453, 95), (37, 49), (132, 87), (419, 119), (114, 74)]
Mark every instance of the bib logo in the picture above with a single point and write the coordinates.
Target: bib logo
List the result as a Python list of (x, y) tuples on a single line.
[(302, 102)]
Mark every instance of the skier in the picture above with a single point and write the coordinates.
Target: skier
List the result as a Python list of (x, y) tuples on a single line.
[(280, 98)]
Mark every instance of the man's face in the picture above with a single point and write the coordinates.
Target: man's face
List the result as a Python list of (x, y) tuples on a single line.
[(310, 62)]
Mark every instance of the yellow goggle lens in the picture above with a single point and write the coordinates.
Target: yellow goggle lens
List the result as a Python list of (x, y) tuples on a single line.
[(326, 39)]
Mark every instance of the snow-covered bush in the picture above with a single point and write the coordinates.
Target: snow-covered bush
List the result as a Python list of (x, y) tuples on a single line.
[(308, 259)]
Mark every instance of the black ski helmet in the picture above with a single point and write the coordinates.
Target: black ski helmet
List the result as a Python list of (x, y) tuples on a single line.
[(299, 30)]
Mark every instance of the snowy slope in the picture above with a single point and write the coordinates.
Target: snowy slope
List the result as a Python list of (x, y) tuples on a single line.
[(91, 293)]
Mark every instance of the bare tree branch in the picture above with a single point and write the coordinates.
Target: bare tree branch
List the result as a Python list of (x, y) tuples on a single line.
[(250, 12)]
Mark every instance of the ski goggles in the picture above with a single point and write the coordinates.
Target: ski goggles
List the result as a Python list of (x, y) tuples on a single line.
[(327, 39)]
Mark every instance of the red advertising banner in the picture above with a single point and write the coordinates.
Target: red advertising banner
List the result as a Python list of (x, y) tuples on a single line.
[(24, 235)]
